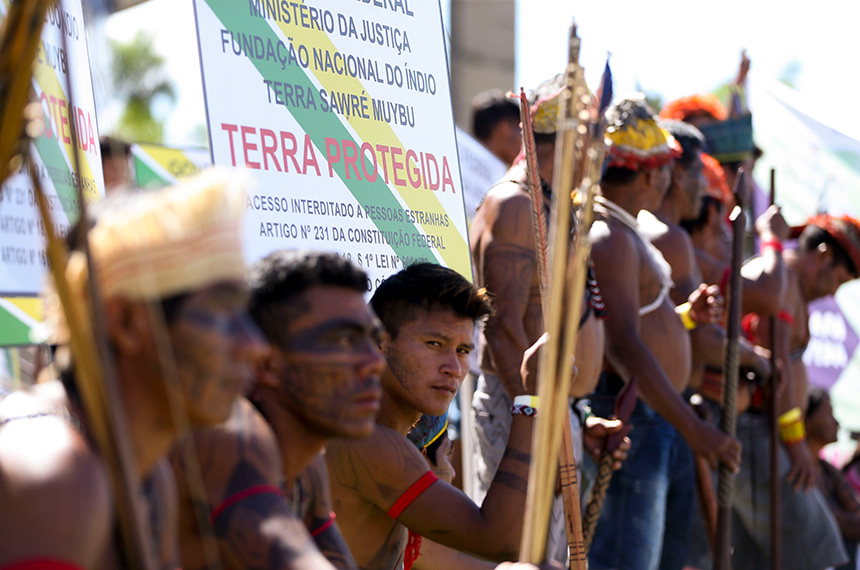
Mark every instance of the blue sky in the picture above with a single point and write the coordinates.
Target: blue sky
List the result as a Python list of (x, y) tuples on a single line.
[(671, 48)]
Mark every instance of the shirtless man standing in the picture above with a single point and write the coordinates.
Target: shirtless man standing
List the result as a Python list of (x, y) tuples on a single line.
[(645, 338), (761, 289), (55, 491), (827, 256), (503, 250), (382, 486), (265, 483)]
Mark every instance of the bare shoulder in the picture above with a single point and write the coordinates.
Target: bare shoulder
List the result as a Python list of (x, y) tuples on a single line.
[(379, 468), (505, 212), (753, 269), (674, 238), (54, 489), (677, 248), (504, 192), (509, 186), (651, 226), (243, 447), (512, 207), (611, 242)]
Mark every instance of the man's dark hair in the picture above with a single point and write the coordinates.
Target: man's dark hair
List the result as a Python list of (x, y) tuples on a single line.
[(692, 140), (816, 397), (489, 108), (278, 281), (615, 175), (545, 138), (112, 146), (427, 287), (813, 236)]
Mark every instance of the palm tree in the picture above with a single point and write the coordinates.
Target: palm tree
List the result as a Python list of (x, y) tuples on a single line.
[(139, 79)]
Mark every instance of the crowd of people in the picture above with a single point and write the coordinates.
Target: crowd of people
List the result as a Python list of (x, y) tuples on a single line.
[(660, 242), (272, 418)]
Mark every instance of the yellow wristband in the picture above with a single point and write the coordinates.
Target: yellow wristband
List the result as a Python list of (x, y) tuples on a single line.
[(789, 417), (683, 312), (793, 432)]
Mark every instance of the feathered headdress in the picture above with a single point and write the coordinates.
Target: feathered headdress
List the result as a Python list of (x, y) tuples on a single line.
[(634, 139), (157, 244), (844, 229)]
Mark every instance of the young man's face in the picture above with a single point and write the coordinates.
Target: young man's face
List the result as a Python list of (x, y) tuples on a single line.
[(215, 344), (332, 363), (507, 139), (822, 426), (428, 360), (117, 172)]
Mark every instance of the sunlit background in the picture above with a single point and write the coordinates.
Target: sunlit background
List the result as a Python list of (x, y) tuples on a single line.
[(666, 49)]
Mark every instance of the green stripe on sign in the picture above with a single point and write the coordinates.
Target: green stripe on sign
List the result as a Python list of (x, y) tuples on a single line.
[(12, 331), (54, 160), (236, 18), (146, 177)]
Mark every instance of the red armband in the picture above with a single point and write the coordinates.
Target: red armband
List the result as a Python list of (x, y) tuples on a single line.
[(42, 565), (412, 493), (324, 526), (773, 244), (749, 323), (785, 317), (241, 496)]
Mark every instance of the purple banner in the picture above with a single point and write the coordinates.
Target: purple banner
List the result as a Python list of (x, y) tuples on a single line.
[(831, 345)]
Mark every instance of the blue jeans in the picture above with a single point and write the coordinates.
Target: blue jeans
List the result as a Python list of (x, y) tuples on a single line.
[(645, 523)]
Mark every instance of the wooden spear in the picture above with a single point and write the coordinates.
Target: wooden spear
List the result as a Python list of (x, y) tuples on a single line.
[(97, 382), (535, 189), (566, 288), (567, 462), (775, 331), (114, 445), (729, 411), (21, 38), (22, 34)]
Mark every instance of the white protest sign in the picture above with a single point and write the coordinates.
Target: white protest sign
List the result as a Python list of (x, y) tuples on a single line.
[(342, 110), (62, 84), (480, 169)]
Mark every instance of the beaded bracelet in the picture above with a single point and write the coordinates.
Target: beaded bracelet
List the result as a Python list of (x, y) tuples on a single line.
[(526, 406)]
